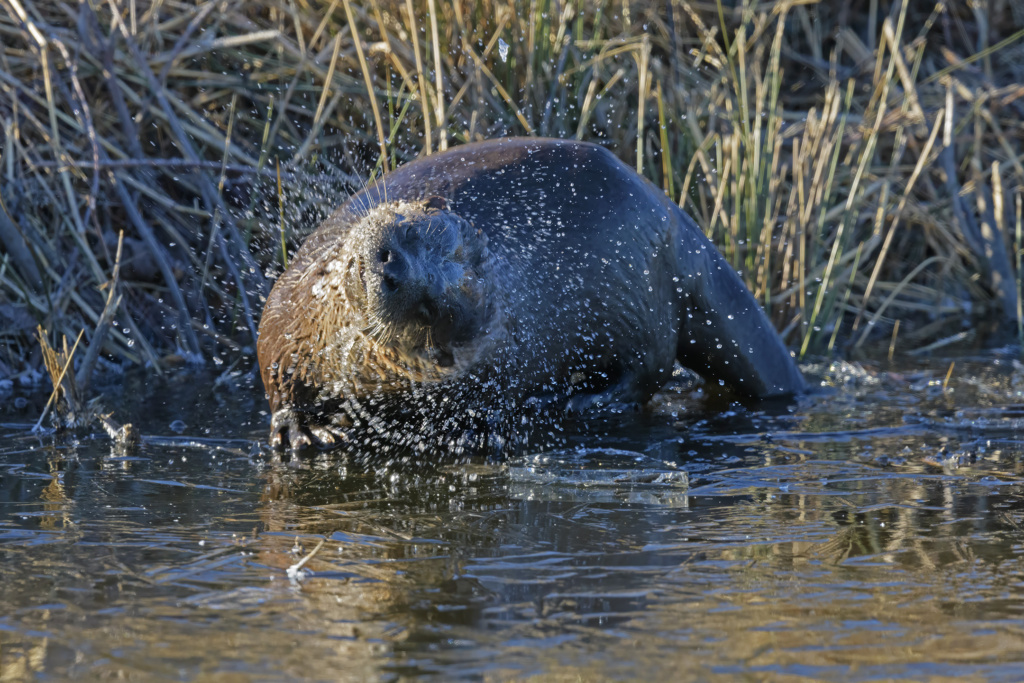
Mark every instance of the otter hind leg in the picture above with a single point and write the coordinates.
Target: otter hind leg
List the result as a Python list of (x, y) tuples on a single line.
[(723, 333)]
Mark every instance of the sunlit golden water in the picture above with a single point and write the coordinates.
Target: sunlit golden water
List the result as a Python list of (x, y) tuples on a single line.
[(873, 531)]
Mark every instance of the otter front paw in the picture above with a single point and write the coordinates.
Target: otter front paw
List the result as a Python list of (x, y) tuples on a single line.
[(286, 430), (293, 430)]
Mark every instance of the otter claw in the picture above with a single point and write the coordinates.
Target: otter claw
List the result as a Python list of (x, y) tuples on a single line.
[(327, 435), (287, 431), (292, 438), (323, 436), (298, 439)]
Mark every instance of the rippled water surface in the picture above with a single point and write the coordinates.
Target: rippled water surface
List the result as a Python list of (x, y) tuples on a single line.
[(872, 531)]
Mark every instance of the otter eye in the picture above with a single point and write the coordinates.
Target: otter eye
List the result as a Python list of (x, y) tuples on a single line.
[(384, 255)]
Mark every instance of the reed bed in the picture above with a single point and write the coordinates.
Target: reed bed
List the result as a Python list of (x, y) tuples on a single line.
[(861, 166)]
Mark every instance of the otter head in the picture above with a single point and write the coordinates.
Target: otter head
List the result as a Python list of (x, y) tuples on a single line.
[(426, 276)]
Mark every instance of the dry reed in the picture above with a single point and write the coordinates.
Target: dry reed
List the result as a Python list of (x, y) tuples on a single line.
[(862, 168)]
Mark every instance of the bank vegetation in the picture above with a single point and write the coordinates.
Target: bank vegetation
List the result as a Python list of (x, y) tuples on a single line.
[(859, 163)]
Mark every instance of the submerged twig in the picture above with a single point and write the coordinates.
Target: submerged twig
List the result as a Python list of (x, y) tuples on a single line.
[(293, 571)]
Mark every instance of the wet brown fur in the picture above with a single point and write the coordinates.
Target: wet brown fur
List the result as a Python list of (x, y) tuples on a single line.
[(339, 343)]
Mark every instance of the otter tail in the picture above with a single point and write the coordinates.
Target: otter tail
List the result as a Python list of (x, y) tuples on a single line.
[(723, 333)]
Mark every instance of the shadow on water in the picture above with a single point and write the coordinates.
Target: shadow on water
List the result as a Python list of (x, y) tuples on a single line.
[(873, 531)]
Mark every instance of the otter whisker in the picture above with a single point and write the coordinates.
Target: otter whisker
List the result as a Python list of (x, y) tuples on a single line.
[(372, 330), (380, 332), (362, 202), (430, 346)]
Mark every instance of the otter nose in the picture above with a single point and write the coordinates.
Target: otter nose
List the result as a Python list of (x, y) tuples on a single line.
[(406, 274), (394, 269)]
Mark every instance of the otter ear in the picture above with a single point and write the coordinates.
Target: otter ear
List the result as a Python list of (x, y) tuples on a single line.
[(435, 202)]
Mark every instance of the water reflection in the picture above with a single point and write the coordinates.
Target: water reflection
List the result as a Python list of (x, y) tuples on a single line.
[(873, 532)]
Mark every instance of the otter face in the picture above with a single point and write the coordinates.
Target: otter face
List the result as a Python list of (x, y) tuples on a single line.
[(423, 270)]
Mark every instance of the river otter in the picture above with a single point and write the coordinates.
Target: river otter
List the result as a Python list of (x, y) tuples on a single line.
[(539, 269)]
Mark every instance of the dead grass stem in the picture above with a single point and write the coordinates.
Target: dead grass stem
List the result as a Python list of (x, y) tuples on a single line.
[(860, 168)]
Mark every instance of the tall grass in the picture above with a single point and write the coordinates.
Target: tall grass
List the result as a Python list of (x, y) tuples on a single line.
[(861, 166)]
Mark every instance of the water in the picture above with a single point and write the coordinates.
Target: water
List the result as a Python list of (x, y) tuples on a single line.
[(874, 531)]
